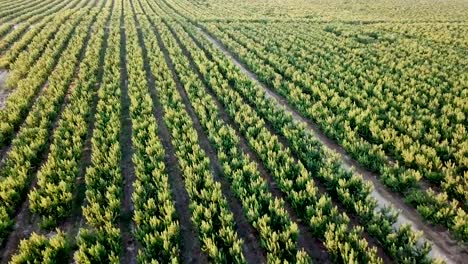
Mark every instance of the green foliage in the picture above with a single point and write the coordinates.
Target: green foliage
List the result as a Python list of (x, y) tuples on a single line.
[(100, 242), (292, 178), (41, 249), (349, 189), (210, 213), (31, 139), (391, 94), (277, 232), (155, 214), (100, 246), (286, 75), (52, 198), (29, 75)]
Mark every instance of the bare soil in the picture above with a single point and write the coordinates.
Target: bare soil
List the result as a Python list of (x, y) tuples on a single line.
[(128, 172), (4, 92)]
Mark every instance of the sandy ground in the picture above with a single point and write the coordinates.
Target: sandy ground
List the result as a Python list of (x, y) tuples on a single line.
[(3, 91)]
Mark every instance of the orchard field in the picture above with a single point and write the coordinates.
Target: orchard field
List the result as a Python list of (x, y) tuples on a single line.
[(220, 131)]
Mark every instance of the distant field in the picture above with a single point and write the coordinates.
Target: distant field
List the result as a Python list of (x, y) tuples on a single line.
[(176, 131)]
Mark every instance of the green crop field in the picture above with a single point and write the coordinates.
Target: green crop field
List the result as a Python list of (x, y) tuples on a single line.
[(222, 131)]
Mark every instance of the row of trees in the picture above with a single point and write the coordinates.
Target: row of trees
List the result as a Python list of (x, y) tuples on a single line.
[(291, 176), (5, 28), (16, 14), (41, 249), (35, 41), (23, 34), (380, 103), (32, 75), (413, 129), (396, 177), (53, 195), (157, 227), (453, 35), (31, 140), (265, 212), (100, 241), (431, 134), (327, 79), (348, 188), (8, 5), (24, 28), (210, 212), (43, 46)]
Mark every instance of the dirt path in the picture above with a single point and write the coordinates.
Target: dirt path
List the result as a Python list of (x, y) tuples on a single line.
[(3, 91), (444, 246), (129, 251)]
